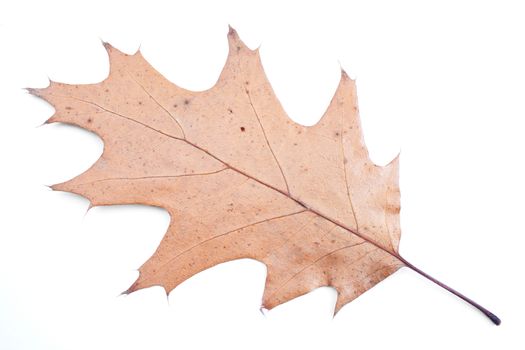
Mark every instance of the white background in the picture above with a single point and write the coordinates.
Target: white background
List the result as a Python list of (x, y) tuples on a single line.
[(444, 82)]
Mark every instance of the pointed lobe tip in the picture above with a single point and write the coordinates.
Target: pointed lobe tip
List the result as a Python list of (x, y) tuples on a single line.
[(32, 91), (132, 288), (231, 31), (107, 46)]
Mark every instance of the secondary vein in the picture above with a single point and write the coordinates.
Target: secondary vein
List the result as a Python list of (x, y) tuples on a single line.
[(268, 142), (222, 235), (159, 104)]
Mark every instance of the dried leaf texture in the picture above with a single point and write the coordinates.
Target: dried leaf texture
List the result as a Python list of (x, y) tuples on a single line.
[(238, 177)]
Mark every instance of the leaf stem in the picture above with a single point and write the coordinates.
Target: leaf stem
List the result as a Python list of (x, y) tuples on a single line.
[(486, 312), (495, 319)]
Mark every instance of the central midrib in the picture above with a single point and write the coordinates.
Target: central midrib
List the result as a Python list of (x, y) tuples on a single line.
[(290, 196), (284, 193)]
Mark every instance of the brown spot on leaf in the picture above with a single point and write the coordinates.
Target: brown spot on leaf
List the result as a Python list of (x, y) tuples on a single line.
[(392, 209)]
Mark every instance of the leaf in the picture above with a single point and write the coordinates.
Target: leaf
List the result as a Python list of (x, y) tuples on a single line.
[(238, 177)]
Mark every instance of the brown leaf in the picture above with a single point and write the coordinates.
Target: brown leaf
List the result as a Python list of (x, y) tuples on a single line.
[(238, 177)]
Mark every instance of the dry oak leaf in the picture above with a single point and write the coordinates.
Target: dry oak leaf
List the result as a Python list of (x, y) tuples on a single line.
[(238, 177)]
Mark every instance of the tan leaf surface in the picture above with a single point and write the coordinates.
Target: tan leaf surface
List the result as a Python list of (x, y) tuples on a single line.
[(238, 177)]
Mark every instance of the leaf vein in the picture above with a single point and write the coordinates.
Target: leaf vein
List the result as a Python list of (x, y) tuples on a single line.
[(268, 142), (346, 175), (160, 105), (319, 259), (222, 235), (154, 177)]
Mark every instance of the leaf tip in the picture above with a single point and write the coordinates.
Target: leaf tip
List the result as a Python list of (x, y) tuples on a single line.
[(40, 92), (43, 124), (263, 310), (131, 289), (111, 50), (138, 52), (235, 43), (394, 163), (67, 186), (33, 91), (51, 120), (90, 206), (106, 45), (344, 75), (56, 187), (232, 32)]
